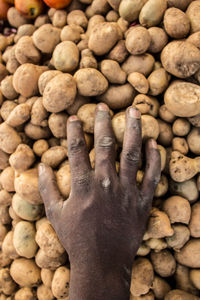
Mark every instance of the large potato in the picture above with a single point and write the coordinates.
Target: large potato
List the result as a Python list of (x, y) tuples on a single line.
[(193, 13), (189, 255), (152, 12), (66, 56), (130, 9)]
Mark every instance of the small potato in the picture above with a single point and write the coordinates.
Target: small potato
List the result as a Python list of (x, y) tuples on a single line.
[(25, 79), (189, 255), (4, 215), (54, 156), (178, 209), (195, 121), (44, 293), (60, 282), (181, 4), (71, 33), (118, 124), (181, 127), (166, 115), (26, 210), (130, 9), (77, 17), (152, 12), (163, 263), (15, 19), (26, 52), (194, 225), (163, 156), (180, 144), (158, 81), (57, 124), (25, 272), (3, 72), (45, 78), (87, 59), (118, 96), (93, 21), (63, 177), (3, 232), (138, 40), (146, 104), (160, 287), (103, 37), (179, 238), (7, 88), (162, 187), (181, 59), (46, 38), (19, 115), (59, 93), (38, 113), (24, 30), (40, 146), (176, 23), (195, 278), (7, 179), (25, 293), (150, 127), (187, 189), (118, 52), (139, 82), (36, 132), (112, 71), (7, 285), (90, 82), (139, 63), (148, 296), (193, 13), (47, 277), (26, 185), (24, 239), (44, 261), (22, 158), (156, 244), (8, 247), (6, 109), (11, 64), (59, 18), (193, 140), (143, 250), (66, 56), (112, 16), (140, 283), (159, 39)]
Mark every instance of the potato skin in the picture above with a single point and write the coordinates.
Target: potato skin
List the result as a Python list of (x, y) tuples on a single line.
[(193, 13), (66, 56), (138, 40), (164, 263), (9, 138), (176, 23), (54, 156), (139, 63), (60, 282), (189, 255)]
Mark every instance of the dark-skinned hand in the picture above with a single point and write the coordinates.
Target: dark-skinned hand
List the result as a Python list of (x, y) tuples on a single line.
[(102, 223)]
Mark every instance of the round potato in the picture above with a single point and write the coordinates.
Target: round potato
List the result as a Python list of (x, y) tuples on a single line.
[(176, 23), (66, 56)]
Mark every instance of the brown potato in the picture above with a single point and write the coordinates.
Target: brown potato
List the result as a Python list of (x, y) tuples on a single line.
[(44, 293), (160, 287), (8, 247), (139, 63), (26, 52), (146, 104), (138, 40), (25, 293), (71, 33), (194, 224), (183, 281), (36, 132), (181, 4), (54, 156), (45, 78), (193, 140), (7, 285), (9, 138), (152, 12), (7, 179), (112, 71), (163, 263), (180, 144), (63, 177), (159, 39), (47, 277), (194, 39), (179, 294), (139, 82), (176, 23), (189, 255), (193, 13), (195, 277), (44, 261), (158, 81), (15, 18), (22, 158), (181, 127), (7, 88), (187, 189), (118, 52), (178, 209), (179, 238), (130, 9)]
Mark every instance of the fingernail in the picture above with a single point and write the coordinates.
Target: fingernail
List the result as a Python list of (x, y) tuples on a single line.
[(41, 168), (102, 107), (73, 118), (134, 113), (153, 144)]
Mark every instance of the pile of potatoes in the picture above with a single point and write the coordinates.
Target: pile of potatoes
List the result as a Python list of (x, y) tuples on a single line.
[(144, 53)]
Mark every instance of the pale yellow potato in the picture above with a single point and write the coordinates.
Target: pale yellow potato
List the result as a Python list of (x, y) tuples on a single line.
[(143, 250), (180, 144), (181, 127), (7, 88), (60, 282), (150, 127), (54, 156), (156, 244), (163, 156), (44, 293), (40, 146), (7, 285), (130, 9), (25, 293), (63, 177), (47, 277)]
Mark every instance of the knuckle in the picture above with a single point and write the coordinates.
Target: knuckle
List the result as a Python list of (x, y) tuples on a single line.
[(76, 145), (106, 183), (106, 142), (132, 156), (83, 179)]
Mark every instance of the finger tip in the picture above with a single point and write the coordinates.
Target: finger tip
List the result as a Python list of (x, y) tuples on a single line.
[(133, 112), (152, 144), (72, 119), (102, 107)]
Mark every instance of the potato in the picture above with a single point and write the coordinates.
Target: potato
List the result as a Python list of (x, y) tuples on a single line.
[(183, 281), (3, 160), (187, 189), (139, 63), (142, 277), (193, 14), (71, 33), (6, 109), (7, 88), (38, 113), (44, 293), (5, 198), (189, 254), (47, 277), (59, 18), (163, 156), (26, 210), (77, 17), (139, 82), (195, 39), (112, 71), (63, 177), (195, 277), (7, 179), (163, 263), (150, 127), (156, 244), (3, 232), (87, 59), (130, 9), (160, 287), (138, 40), (162, 187), (158, 39), (179, 238), (180, 144), (40, 40), (193, 140), (112, 16), (40, 146), (12, 63), (22, 158), (25, 293), (183, 168), (54, 156), (148, 296), (36, 132), (26, 52), (45, 78), (4, 215), (158, 225), (24, 30), (181, 4), (158, 81), (152, 12), (44, 261), (118, 96), (176, 23), (194, 224), (143, 250), (103, 37), (25, 272), (181, 59), (24, 239), (66, 56), (60, 282), (181, 127), (57, 124), (146, 104), (25, 79), (7, 285), (195, 121), (178, 209), (26, 185), (3, 72), (118, 52), (19, 115), (179, 294), (90, 82), (9, 138), (59, 93), (15, 18)]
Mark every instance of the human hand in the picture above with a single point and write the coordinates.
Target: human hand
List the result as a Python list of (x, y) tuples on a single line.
[(102, 223)]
